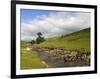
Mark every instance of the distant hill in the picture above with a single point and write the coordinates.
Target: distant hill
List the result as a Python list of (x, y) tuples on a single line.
[(79, 40)]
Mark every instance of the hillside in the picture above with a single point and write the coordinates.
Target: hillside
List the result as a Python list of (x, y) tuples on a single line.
[(79, 40)]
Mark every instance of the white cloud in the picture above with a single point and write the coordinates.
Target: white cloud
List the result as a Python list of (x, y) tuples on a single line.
[(55, 24)]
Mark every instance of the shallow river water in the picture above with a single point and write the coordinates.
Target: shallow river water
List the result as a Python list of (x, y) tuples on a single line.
[(54, 62)]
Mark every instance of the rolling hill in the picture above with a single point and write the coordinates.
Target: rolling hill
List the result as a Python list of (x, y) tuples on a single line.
[(79, 40)]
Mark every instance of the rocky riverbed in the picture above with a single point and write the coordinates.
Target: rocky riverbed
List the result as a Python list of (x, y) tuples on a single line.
[(55, 57)]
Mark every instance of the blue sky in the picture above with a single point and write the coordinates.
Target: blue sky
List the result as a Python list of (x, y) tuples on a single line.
[(51, 23), (30, 14)]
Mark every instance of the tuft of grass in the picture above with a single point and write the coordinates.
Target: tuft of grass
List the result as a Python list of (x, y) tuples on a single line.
[(29, 58)]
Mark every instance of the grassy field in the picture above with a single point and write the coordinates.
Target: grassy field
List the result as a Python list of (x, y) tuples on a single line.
[(79, 40), (29, 58)]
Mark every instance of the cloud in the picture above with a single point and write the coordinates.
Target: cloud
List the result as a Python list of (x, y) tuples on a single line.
[(55, 24)]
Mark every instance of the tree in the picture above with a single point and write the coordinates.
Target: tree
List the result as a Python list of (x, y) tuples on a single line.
[(39, 38), (39, 34)]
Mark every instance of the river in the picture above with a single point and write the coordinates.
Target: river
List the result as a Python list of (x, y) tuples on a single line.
[(55, 62)]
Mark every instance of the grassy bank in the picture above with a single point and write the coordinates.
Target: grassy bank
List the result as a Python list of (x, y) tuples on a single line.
[(29, 58)]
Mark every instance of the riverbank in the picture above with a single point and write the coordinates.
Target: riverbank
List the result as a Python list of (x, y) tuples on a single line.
[(29, 58)]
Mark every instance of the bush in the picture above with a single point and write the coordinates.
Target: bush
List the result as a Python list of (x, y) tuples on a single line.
[(33, 42)]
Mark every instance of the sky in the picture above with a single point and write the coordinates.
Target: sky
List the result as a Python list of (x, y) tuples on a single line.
[(51, 23)]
